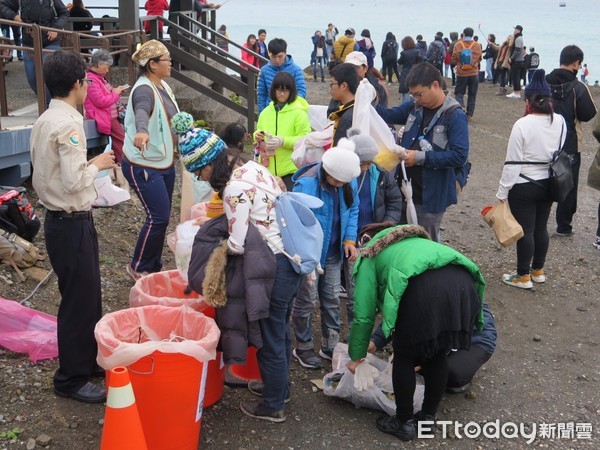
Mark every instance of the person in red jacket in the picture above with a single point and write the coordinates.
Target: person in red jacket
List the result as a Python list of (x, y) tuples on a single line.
[(155, 8)]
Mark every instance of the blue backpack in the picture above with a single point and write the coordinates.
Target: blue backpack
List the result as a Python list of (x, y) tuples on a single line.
[(466, 60), (300, 230)]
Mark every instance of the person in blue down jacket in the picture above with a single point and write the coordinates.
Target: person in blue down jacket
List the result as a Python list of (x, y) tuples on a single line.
[(280, 62), (333, 180), (436, 139)]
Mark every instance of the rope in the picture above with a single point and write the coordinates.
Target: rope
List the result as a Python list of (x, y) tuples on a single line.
[(37, 287)]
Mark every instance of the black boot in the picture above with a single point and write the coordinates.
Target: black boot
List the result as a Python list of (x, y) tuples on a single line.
[(405, 431)]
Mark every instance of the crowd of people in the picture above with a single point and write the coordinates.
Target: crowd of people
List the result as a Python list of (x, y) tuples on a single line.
[(430, 297)]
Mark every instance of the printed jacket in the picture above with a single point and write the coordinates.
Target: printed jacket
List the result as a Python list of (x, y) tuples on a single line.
[(101, 102), (573, 101), (309, 182), (290, 123), (382, 273), (268, 72), (450, 141)]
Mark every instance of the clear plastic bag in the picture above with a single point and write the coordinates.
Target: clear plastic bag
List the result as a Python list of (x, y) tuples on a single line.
[(126, 336), (24, 330), (310, 148), (380, 397)]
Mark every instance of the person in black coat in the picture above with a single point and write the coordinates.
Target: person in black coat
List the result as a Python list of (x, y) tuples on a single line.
[(409, 56), (389, 57)]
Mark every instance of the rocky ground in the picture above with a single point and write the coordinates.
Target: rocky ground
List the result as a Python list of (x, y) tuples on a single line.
[(546, 368)]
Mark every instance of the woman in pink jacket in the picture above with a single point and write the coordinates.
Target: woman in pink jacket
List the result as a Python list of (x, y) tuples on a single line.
[(101, 101)]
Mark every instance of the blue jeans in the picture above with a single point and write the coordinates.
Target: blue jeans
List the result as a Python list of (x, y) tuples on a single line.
[(319, 62), (275, 355), (30, 67), (327, 289), (154, 188)]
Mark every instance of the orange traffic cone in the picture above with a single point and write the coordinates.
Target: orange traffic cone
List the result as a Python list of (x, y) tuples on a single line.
[(122, 425)]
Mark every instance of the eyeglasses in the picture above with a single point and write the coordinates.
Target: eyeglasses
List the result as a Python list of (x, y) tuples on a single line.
[(333, 84), (418, 95), (282, 91), (87, 80), (166, 59)]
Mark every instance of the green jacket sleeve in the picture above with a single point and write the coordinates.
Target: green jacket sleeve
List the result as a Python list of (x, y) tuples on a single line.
[(301, 127)]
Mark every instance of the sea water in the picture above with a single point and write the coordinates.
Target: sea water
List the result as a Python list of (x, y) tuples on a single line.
[(546, 26)]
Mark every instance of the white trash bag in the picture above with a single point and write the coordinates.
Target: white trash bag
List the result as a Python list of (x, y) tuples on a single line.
[(310, 148), (340, 383), (181, 242)]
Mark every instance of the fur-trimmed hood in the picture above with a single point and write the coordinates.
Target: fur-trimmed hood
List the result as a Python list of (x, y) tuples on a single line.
[(215, 282), (385, 238)]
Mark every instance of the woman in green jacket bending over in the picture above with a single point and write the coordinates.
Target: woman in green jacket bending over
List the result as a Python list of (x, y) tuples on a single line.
[(430, 297), (280, 125)]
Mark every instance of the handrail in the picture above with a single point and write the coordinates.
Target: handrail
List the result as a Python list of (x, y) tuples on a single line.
[(184, 45), (70, 37), (200, 25)]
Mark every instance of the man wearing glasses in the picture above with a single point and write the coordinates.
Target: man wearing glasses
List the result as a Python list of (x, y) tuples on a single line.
[(63, 178), (436, 139), (280, 62), (344, 83)]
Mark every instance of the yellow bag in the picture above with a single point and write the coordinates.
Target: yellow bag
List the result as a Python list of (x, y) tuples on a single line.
[(505, 226)]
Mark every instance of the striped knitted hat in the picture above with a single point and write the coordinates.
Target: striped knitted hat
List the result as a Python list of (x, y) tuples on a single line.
[(198, 147)]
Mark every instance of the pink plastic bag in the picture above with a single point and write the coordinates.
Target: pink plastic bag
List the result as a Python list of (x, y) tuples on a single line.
[(24, 330), (163, 288), (130, 334)]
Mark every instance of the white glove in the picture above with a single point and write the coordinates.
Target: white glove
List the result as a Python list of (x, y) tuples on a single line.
[(364, 376), (400, 151), (274, 142)]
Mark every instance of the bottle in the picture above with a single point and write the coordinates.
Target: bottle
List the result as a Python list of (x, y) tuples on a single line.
[(424, 144)]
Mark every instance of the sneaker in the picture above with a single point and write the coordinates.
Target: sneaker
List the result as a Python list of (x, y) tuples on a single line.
[(133, 274), (420, 416), (307, 358), (405, 431), (457, 390), (326, 353), (256, 409), (538, 276), (501, 91), (513, 95), (564, 233), (257, 386), (596, 242), (516, 280)]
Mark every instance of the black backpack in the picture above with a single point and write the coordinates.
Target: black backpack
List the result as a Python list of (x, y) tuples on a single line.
[(565, 104), (390, 52), (435, 57), (16, 214)]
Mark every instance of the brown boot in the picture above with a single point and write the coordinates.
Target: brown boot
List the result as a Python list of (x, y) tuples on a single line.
[(501, 91)]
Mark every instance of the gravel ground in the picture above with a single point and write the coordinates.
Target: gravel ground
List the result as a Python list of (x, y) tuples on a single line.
[(546, 368)]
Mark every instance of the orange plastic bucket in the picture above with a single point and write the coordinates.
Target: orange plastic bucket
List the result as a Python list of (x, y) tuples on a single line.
[(250, 371), (167, 288), (215, 379), (169, 390)]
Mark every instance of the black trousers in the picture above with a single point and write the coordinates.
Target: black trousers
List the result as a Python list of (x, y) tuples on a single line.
[(468, 85), (515, 74), (464, 364), (566, 209), (530, 206), (390, 68), (72, 246)]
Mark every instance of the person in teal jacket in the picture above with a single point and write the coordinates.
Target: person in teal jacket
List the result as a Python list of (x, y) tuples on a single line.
[(280, 125), (430, 297), (333, 180)]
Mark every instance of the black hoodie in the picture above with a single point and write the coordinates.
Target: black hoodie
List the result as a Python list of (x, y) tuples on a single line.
[(573, 101)]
